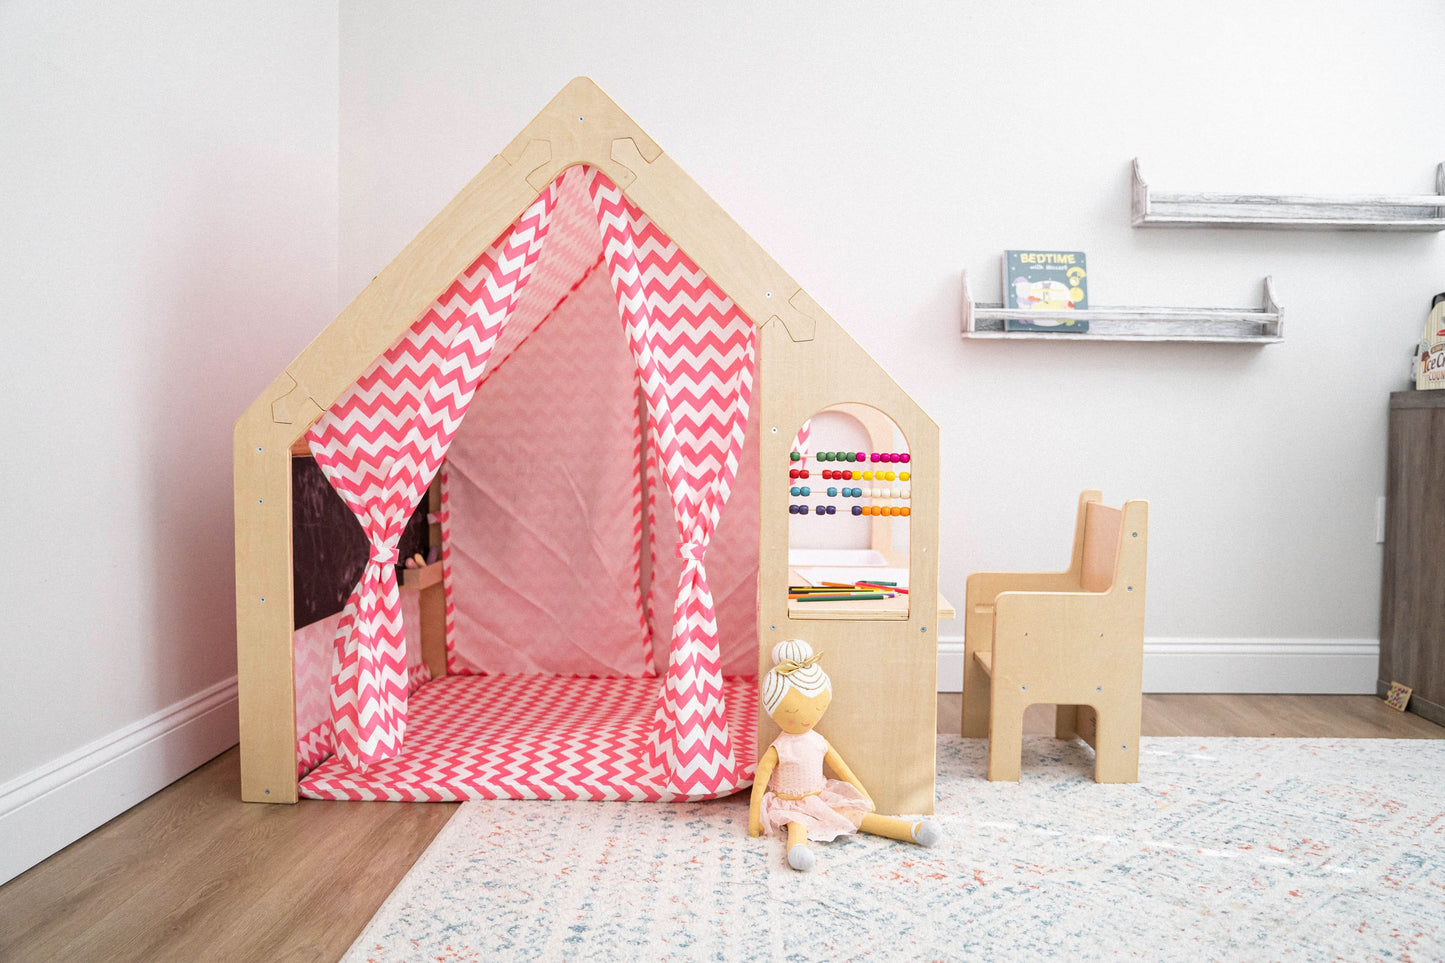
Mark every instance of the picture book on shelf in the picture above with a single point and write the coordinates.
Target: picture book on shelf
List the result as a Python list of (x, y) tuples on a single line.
[(1046, 281)]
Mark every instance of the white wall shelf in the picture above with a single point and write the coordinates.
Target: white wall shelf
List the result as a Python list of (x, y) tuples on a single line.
[(1234, 325), (1300, 212)]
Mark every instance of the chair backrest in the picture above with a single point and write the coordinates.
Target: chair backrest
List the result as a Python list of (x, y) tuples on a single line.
[(1101, 547), (1110, 544)]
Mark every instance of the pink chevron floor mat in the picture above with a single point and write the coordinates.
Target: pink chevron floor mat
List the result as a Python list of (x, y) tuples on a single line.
[(526, 737)]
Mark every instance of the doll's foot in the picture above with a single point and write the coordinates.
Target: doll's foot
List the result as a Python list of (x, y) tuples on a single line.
[(927, 833), (801, 858)]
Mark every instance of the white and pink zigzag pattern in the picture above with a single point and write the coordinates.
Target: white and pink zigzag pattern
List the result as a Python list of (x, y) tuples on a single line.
[(526, 737), (694, 350), (381, 444), (386, 437)]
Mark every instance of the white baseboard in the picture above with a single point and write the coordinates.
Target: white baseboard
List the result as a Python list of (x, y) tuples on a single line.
[(1296, 666), (48, 808)]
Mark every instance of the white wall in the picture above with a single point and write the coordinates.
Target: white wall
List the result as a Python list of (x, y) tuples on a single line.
[(876, 150), (167, 244)]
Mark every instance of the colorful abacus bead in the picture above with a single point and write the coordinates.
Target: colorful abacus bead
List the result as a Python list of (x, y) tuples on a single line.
[(795, 491), (857, 509), (795, 456), (793, 473), (903, 476), (832, 492)]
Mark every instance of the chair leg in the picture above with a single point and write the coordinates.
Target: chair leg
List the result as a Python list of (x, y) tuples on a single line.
[(976, 697), (1005, 739), (1116, 752)]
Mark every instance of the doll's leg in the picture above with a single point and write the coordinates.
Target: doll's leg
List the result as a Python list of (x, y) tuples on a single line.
[(925, 832), (800, 857)]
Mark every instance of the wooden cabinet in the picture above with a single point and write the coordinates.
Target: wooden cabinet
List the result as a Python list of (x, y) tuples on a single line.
[(1412, 607)]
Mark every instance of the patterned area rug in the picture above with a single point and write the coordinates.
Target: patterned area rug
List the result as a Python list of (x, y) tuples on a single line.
[(1226, 849)]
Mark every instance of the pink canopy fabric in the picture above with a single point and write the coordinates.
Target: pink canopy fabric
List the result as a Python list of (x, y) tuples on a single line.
[(543, 503), (381, 444), (695, 351), (385, 438)]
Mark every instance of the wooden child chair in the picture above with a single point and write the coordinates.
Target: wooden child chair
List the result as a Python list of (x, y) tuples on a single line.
[(1074, 639)]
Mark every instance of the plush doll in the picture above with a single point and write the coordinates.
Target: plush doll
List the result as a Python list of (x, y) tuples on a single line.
[(791, 794)]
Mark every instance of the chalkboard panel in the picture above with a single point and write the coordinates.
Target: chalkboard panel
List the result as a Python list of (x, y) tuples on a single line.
[(328, 547)]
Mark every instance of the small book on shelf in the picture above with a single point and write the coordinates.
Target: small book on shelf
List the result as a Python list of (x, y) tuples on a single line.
[(1046, 281)]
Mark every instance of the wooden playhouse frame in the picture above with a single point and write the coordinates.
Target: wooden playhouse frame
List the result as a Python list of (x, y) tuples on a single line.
[(883, 666)]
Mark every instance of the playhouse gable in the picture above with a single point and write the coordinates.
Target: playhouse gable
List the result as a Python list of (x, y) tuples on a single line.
[(581, 125)]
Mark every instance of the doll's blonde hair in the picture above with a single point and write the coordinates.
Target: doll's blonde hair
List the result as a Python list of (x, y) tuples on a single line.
[(794, 667)]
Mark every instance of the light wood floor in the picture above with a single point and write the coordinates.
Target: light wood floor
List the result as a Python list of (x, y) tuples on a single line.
[(194, 874)]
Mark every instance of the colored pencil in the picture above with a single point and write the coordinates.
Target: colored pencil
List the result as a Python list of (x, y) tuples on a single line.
[(861, 597), (834, 589), (808, 589), (891, 586)]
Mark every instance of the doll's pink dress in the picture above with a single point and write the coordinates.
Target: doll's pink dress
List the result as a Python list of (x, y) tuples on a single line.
[(798, 791)]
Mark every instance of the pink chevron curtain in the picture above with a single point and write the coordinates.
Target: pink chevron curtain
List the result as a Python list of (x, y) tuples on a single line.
[(694, 350), (384, 440), (381, 444)]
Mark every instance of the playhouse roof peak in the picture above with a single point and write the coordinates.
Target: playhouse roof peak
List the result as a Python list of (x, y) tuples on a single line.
[(580, 125)]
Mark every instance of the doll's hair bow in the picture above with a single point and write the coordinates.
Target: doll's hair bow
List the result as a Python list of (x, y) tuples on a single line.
[(788, 666)]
